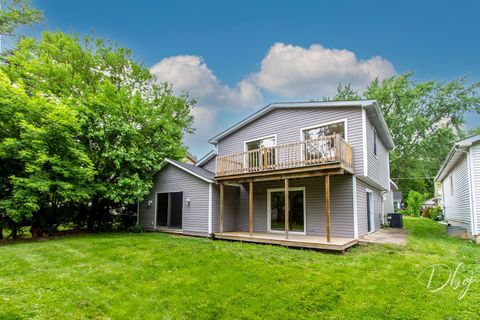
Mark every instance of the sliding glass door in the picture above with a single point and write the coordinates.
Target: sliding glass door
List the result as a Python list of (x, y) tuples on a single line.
[(276, 210), (170, 209)]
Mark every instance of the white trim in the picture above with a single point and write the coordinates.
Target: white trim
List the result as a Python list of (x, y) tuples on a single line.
[(345, 125), (210, 200), (471, 180), (269, 210), (364, 142), (372, 208), (355, 207), (375, 144), (155, 212), (206, 158), (186, 170)]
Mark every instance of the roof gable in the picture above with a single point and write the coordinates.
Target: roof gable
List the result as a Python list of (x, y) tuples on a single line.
[(198, 172), (371, 106)]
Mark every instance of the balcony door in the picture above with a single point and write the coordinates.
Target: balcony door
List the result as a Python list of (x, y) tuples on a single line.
[(259, 154), (317, 148), (276, 210)]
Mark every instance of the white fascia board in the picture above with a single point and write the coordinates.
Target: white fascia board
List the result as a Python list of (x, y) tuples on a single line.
[(188, 171)]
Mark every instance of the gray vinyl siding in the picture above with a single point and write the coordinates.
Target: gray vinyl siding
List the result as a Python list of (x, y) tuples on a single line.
[(286, 124), (457, 202), (209, 165), (475, 150), (341, 194), (378, 169), (231, 208), (362, 207), (173, 179), (389, 208)]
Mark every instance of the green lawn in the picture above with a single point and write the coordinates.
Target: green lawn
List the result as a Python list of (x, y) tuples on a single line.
[(152, 276)]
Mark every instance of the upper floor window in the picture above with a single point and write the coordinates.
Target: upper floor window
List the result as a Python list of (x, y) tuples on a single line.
[(259, 153), (374, 141), (324, 130), (316, 148)]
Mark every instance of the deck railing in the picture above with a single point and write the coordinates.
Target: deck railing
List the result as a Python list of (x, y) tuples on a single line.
[(314, 152)]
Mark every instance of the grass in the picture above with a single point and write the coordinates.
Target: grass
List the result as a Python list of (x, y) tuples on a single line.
[(158, 276)]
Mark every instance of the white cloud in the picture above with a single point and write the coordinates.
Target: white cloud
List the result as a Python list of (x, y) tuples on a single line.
[(293, 71), (285, 71), (191, 73)]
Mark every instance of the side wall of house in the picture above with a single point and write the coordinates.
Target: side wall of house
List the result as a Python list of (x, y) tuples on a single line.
[(389, 208), (457, 200), (173, 179), (378, 165), (209, 165), (287, 123), (475, 156), (362, 207), (341, 212), (231, 194)]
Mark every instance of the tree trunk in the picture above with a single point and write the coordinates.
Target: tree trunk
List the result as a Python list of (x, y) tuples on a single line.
[(14, 233), (93, 214)]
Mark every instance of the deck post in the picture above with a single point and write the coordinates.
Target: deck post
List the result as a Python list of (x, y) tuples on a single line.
[(287, 208), (222, 209), (327, 204), (250, 208)]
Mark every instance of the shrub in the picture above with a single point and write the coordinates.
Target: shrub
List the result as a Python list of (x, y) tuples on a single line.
[(434, 213), (415, 201)]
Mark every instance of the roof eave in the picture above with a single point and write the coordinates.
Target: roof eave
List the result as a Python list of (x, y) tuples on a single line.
[(267, 108)]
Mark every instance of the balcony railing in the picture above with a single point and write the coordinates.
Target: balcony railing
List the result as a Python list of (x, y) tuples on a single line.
[(314, 152)]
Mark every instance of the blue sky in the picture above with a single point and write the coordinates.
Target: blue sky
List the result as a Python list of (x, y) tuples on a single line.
[(237, 56)]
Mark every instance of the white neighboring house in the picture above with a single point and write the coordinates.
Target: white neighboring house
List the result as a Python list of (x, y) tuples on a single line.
[(460, 181)]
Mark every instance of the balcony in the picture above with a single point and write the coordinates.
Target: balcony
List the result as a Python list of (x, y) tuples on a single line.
[(327, 152)]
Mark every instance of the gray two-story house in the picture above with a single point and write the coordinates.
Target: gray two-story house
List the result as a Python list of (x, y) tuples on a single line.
[(306, 174)]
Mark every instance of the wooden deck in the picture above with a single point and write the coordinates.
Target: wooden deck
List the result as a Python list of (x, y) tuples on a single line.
[(299, 241), (301, 157)]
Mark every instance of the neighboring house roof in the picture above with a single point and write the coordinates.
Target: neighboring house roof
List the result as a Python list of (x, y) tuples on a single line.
[(397, 196), (455, 154), (371, 107), (190, 157), (209, 156), (198, 172)]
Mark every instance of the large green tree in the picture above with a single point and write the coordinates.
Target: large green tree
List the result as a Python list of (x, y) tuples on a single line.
[(43, 165), (128, 123), (424, 118)]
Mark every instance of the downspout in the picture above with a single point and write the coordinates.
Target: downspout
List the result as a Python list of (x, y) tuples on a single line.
[(210, 215)]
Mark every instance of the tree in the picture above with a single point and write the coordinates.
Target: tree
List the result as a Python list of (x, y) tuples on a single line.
[(39, 139), (425, 119), (415, 201), (17, 13), (128, 123)]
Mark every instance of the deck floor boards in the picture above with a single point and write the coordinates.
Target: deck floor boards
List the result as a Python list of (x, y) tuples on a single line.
[(294, 240)]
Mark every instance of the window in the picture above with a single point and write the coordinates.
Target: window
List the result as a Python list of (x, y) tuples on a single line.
[(259, 151), (316, 148), (374, 141), (325, 130)]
